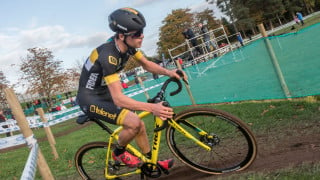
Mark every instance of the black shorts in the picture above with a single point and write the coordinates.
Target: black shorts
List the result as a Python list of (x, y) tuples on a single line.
[(95, 106)]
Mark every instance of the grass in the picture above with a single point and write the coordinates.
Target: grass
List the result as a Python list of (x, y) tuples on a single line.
[(263, 117)]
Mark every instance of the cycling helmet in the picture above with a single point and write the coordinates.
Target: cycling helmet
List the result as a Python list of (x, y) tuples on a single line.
[(125, 20)]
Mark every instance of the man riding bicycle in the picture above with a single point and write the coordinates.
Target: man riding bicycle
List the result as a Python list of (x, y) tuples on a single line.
[(100, 91)]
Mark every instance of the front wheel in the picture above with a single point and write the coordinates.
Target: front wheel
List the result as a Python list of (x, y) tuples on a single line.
[(233, 145)]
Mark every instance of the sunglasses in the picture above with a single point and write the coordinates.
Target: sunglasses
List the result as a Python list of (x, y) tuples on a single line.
[(135, 34)]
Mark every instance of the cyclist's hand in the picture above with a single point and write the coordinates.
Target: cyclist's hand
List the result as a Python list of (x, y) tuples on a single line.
[(162, 111), (173, 73)]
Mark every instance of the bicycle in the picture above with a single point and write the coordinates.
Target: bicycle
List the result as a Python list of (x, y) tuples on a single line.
[(206, 139)]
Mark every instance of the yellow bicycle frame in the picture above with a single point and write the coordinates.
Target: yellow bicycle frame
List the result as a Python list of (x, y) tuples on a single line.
[(154, 148)]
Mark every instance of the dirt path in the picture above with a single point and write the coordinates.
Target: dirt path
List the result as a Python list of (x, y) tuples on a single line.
[(292, 148)]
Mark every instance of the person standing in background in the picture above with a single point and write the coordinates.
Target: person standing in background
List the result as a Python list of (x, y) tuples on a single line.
[(239, 37), (189, 35), (300, 17), (4, 119), (296, 20), (206, 37)]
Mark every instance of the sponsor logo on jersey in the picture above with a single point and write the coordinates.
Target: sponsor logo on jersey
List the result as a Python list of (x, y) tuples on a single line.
[(92, 80), (113, 60), (102, 112)]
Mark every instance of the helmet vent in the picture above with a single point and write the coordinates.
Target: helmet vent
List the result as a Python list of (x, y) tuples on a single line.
[(137, 21)]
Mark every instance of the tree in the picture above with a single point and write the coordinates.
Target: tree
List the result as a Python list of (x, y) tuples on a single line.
[(72, 76), (245, 14), (175, 23), (273, 9), (317, 5), (227, 7), (43, 74), (243, 19), (3, 85), (171, 32), (208, 16)]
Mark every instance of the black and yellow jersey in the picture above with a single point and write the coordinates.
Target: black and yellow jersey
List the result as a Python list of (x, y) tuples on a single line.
[(102, 67)]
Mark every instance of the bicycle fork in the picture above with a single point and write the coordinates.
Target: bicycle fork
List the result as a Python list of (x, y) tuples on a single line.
[(176, 126)]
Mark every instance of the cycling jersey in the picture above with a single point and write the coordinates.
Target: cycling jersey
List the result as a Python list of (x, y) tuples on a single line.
[(100, 69)]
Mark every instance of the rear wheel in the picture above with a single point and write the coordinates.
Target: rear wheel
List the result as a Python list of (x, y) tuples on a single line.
[(233, 145), (90, 160)]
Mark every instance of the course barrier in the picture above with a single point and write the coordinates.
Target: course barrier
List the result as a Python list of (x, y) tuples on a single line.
[(18, 139), (29, 137), (30, 168)]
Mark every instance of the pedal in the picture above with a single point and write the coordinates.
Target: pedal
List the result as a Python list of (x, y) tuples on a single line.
[(151, 170), (165, 171)]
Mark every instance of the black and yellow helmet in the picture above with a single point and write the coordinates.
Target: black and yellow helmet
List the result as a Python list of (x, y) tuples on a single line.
[(125, 20)]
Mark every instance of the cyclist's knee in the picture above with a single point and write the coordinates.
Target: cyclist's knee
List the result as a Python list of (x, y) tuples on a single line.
[(142, 127), (133, 122)]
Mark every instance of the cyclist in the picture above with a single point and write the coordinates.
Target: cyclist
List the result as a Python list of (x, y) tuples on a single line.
[(100, 91)]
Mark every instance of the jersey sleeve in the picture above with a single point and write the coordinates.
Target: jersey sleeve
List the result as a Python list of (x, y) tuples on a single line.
[(138, 55), (109, 64)]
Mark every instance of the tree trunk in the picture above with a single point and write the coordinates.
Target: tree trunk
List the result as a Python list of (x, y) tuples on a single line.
[(253, 30), (270, 24), (244, 33), (279, 19)]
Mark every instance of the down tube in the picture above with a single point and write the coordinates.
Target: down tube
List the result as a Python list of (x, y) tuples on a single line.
[(176, 126)]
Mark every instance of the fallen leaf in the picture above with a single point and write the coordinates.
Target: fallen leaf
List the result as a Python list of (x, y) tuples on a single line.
[(264, 111)]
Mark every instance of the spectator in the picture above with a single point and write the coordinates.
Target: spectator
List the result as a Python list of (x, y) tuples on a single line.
[(63, 107), (155, 76), (54, 109), (239, 37), (206, 37), (296, 20), (58, 108), (4, 119), (189, 35), (136, 79), (73, 103), (299, 16), (222, 45), (124, 85), (180, 61)]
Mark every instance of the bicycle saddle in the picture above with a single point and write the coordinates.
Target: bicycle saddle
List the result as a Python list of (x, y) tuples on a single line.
[(82, 119)]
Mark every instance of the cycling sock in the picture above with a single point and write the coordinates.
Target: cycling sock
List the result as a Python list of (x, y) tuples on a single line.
[(119, 150)]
